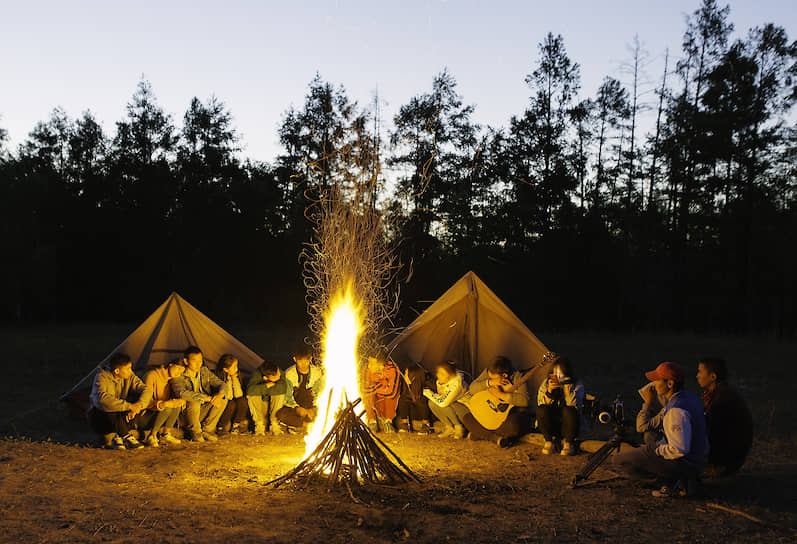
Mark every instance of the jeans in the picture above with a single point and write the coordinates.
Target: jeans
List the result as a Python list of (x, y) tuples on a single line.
[(643, 462), (450, 415), (155, 420), (199, 415), (112, 422), (235, 412), (558, 422), (417, 410), (517, 423), (265, 408)]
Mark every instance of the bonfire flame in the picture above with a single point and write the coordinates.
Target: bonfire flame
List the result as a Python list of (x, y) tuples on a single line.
[(341, 336)]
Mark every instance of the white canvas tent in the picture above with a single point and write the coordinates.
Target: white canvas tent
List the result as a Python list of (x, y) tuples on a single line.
[(165, 334), (471, 325)]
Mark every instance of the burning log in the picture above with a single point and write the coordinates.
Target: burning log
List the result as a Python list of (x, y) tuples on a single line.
[(349, 454)]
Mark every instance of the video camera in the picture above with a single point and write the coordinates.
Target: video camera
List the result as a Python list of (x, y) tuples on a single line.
[(611, 413)]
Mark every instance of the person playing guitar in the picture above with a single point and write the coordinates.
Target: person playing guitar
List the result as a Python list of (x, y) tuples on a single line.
[(499, 380)]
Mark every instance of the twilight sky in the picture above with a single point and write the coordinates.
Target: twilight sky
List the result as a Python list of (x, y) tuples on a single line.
[(258, 56)]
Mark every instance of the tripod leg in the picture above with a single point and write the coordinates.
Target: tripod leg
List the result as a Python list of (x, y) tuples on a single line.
[(595, 460)]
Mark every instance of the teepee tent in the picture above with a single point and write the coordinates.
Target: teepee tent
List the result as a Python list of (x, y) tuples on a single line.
[(166, 333), (469, 324)]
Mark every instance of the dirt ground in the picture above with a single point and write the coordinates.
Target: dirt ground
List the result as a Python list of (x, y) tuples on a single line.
[(55, 487), (470, 492)]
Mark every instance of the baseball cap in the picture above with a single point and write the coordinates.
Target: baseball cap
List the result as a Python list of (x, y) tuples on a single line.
[(666, 371)]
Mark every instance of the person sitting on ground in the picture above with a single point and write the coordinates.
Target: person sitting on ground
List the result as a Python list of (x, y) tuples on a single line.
[(444, 403), (381, 392), (412, 406), (163, 410), (560, 400), (118, 397), (728, 419), (678, 459), (205, 396), (233, 419), (500, 380), (305, 384), (265, 394)]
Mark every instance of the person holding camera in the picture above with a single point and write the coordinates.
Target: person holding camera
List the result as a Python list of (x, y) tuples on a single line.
[(560, 400), (679, 457)]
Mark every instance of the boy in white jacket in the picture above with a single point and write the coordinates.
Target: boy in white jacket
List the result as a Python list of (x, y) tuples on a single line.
[(450, 387)]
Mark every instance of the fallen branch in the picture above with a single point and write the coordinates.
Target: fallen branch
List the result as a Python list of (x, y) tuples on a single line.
[(750, 517)]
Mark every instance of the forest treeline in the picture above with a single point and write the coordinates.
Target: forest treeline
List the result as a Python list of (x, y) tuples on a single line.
[(574, 215)]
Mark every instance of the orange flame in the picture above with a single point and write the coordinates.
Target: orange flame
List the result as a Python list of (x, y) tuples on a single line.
[(342, 334)]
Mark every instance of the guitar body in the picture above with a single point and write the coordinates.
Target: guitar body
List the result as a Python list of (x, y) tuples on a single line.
[(489, 410)]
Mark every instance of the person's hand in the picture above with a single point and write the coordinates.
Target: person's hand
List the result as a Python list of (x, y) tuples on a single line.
[(648, 394), (271, 384), (302, 412), (497, 391), (553, 383), (215, 400)]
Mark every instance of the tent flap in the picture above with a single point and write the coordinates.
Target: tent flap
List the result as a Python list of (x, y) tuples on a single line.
[(469, 324)]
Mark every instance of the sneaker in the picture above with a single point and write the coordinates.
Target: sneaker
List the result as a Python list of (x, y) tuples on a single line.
[(132, 443), (152, 441), (503, 442), (665, 491), (116, 443), (169, 439), (459, 432), (372, 426), (210, 436), (260, 430), (197, 437), (447, 433), (547, 448), (425, 429), (404, 426), (236, 429), (567, 448), (276, 429), (388, 426)]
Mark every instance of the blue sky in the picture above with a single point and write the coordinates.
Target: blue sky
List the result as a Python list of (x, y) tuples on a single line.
[(258, 57)]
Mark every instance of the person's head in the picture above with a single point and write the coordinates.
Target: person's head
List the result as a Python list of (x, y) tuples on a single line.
[(445, 371), (668, 378), (270, 371), (193, 358), (711, 371), (563, 369), (377, 360), (175, 368), (228, 364), (501, 368), (303, 357), (121, 365)]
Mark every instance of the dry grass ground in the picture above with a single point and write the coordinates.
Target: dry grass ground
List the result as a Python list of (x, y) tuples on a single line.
[(54, 487)]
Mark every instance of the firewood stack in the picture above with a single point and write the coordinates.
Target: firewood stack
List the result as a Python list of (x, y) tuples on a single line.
[(350, 454)]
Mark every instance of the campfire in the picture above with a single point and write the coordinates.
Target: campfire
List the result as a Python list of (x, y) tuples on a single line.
[(341, 449)]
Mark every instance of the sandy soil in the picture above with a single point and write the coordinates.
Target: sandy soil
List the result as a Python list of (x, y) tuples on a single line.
[(471, 492)]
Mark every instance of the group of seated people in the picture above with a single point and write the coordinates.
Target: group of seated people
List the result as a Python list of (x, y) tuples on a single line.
[(681, 432), (186, 393)]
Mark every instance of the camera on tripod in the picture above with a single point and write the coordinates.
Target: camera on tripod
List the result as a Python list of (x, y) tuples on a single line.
[(606, 414)]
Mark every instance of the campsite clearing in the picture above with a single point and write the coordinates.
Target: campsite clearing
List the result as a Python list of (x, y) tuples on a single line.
[(55, 489)]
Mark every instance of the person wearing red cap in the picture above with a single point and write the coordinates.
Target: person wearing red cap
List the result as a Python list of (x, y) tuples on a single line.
[(679, 457)]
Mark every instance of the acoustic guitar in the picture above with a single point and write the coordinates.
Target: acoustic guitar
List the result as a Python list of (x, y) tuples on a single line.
[(489, 410)]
